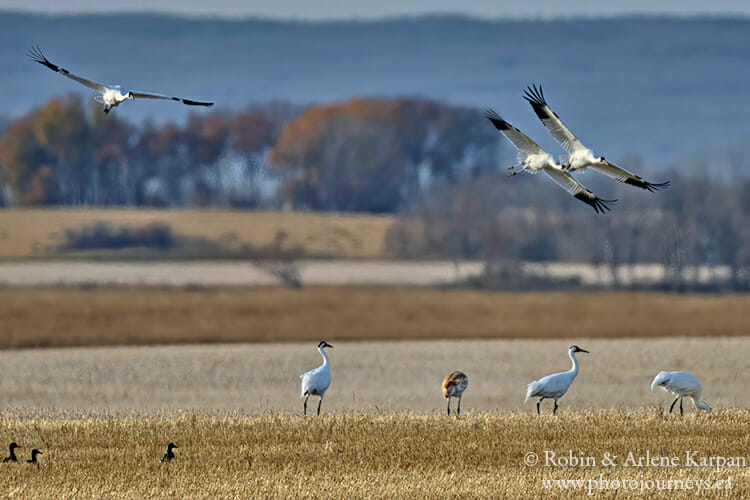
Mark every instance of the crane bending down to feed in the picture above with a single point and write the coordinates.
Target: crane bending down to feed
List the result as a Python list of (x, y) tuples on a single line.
[(556, 385), (682, 384), (579, 156), (111, 96), (454, 386), (316, 382), (534, 159)]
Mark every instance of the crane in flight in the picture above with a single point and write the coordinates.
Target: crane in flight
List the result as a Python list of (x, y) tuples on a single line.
[(534, 159), (110, 96), (579, 156)]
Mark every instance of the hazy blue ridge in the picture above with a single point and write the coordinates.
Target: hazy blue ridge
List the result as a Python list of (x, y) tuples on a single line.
[(657, 87)]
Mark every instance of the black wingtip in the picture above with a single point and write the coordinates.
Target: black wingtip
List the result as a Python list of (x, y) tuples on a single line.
[(496, 120), (534, 95), (648, 186), (599, 205), (196, 103)]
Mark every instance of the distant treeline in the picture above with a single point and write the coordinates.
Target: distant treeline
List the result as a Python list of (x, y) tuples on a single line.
[(436, 165), (362, 155)]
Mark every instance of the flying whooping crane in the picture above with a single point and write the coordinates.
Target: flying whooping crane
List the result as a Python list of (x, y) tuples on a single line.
[(534, 159), (110, 96), (316, 382), (169, 455), (556, 385), (33, 459), (682, 384), (454, 386), (579, 156), (12, 457)]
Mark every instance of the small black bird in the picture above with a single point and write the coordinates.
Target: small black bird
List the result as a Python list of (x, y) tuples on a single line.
[(169, 455), (12, 457), (34, 453)]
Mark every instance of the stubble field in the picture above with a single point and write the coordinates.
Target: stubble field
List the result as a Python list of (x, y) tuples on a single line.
[(103, 414), (392, 456)]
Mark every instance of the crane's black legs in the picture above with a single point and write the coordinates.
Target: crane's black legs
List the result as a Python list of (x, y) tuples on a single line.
[(554, 411), (458, 412), (319, 403), (673, 403), (681, 411), (106, 110), (308, 397), (538, 411), (449, 405)]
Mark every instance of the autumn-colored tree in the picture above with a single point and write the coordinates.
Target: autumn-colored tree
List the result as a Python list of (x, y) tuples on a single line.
[(375, 155)]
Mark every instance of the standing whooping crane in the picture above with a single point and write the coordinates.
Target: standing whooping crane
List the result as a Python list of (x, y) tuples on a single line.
[(454, 386), (579, 156), (556, 385), (682, 384), (111, 96), (316, 382), (534, 159)]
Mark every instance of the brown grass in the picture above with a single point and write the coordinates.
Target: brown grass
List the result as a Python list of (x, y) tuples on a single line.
[(383, 376), (26, 233), (73, 317), (364, 456)]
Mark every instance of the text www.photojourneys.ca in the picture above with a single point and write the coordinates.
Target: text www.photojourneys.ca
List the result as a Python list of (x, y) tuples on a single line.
[(643, 486)]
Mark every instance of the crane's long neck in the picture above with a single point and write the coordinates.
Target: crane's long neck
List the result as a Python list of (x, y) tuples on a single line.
[(325, 356), (573, 369)]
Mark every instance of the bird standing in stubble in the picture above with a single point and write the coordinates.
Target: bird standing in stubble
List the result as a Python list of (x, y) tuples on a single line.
[(454, 386)]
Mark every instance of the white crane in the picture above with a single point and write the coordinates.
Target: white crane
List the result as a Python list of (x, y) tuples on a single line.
[(316, 382), (682, 384), (111, 96), (579, 156), (454, 385), (556, 385), (534, 159)]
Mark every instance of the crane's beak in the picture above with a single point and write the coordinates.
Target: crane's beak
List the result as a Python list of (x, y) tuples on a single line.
[(583, 350)]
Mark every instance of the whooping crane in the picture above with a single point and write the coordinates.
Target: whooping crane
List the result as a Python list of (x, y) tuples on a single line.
[(682, 384), (454, 386), (12, 457), (34, 454), (534, 159), (110, 96), (169, 455), (579, 156), (556, 385), (316, 382)]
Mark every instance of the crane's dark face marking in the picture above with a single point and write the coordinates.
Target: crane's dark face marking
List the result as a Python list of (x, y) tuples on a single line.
[(130, 96), (578, 349), (324, 344)]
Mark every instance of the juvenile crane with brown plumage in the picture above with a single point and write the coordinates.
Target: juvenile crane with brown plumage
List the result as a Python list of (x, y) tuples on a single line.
[(454, 386)]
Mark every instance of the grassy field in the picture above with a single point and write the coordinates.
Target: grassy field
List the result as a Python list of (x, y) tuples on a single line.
[(36, 233), (33, 317), (367, 456), (382, 376)]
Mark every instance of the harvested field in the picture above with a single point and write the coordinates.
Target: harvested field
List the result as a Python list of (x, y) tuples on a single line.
[(368, 456), (56, 317), (372, 376), (36, 233)]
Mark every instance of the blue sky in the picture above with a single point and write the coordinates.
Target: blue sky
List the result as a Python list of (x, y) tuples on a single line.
[(347, 9)]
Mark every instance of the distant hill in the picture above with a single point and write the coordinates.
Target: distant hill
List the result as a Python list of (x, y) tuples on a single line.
[(649, 86)]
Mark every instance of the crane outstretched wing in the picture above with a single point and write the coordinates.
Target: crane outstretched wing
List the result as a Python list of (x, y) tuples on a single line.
[(620, 174), (149, 95), (36, 55), (572, 186), (520, 140), (551, 121)]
